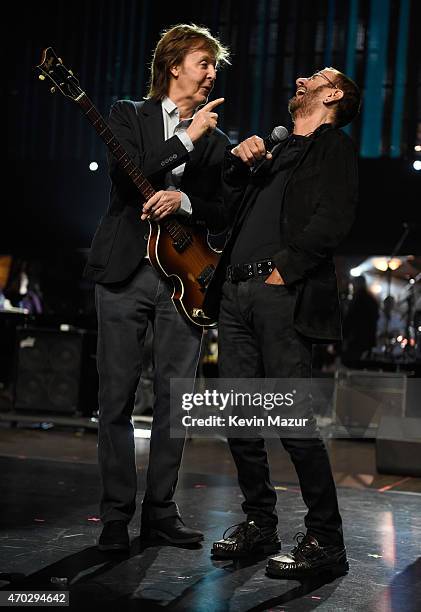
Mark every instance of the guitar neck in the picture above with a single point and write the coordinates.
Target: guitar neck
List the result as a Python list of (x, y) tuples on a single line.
[(52, 68), (171, 224), (115, 147)]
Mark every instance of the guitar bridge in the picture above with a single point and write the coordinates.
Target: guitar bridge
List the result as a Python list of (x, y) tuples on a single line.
[(205, 276)]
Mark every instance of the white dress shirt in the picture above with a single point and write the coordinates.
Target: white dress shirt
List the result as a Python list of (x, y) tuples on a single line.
[(174, 127)]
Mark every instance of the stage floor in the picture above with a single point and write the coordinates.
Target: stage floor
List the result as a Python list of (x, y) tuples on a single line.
[(49, 528)]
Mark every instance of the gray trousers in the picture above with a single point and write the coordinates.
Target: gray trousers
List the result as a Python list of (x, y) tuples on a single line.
[(123, 312)]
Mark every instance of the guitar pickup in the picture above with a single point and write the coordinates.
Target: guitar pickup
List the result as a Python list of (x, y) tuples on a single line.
[(204, 277), (182, 243)]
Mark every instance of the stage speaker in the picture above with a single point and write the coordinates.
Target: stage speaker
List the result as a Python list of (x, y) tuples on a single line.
[(362, 398), (48, 366), (398, 446)]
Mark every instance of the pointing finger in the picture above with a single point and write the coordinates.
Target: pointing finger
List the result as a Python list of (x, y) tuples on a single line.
[(211, 105)]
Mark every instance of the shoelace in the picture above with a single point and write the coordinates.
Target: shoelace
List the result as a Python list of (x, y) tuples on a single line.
[(243, 528), (299, 537), (300, 548)]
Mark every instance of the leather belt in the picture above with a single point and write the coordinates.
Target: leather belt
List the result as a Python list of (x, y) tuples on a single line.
[(242, 272)]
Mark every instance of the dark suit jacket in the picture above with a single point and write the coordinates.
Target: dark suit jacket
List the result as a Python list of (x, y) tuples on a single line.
[(318, 204), (120, 240)]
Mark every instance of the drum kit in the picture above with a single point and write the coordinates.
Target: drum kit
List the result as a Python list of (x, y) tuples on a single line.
[(399, 338)]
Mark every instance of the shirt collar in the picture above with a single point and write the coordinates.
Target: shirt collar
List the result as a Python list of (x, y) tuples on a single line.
[(322, 128), (168, 105)]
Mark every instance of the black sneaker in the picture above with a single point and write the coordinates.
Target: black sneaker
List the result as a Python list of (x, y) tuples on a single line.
[(114, 537), (172, 529), (308, 559), (247, 539)]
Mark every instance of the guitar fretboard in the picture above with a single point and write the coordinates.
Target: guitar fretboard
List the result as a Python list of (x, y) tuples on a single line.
[(175, 229)]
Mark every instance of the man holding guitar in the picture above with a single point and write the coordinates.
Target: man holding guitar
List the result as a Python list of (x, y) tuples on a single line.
[(275, 287), (173, 139)]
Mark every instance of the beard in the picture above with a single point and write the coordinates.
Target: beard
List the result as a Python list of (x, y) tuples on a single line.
[(304, 105)]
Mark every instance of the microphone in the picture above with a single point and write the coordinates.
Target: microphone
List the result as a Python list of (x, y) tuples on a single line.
[(277, 135)]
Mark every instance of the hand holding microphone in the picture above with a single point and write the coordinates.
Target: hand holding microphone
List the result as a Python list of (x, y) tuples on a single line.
[(251, 150), (254, 148)]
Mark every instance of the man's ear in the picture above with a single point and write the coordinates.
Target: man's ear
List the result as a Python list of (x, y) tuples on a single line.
[(333, 96), (175, 71)]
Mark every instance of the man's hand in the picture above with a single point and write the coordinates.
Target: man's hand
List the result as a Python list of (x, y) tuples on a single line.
[(161, 204), (204, 120), (275, 278), (251, 150)]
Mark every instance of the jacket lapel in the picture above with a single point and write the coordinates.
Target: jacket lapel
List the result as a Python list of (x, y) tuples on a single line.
[(151, 111)]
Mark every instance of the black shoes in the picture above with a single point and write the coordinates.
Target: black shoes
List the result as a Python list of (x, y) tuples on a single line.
[(308, 559), (114, 537), (248, 539), (171, 529)]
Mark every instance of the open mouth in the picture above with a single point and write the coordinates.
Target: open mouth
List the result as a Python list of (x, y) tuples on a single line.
[(300, 91)]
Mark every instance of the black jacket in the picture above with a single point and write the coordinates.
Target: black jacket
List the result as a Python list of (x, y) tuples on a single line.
[(120, 240), (318, 205)]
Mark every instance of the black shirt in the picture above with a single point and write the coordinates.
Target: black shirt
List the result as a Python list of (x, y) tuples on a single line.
[(260, 236)]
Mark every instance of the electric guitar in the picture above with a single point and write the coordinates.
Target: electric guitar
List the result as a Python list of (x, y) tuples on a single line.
[(178, 252)]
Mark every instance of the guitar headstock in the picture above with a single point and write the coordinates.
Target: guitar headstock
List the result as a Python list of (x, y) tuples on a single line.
[(52, 68)]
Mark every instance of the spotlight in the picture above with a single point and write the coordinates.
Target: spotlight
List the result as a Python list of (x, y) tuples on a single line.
[(93, 166), (417, 164), (354, 272), (417, 148), (395, 263), (380, 263), (376, 288)]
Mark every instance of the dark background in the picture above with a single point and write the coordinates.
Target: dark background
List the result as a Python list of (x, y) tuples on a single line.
[(54, 201)]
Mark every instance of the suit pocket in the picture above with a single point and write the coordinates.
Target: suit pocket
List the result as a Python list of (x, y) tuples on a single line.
[(103, 242)]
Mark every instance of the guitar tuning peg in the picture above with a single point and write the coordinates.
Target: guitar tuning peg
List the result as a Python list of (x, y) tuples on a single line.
[(60, 60), (41, 77), (71, 72), (53, 89)]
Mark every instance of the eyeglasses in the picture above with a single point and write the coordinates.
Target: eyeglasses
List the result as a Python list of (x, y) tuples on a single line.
[(332, 84)]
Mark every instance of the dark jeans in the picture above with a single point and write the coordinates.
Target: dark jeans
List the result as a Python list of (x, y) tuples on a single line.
[(257, 339), (123, 313)]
